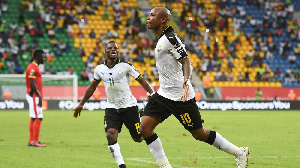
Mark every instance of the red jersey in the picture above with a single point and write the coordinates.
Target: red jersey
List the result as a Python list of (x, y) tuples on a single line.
[(33, 72)]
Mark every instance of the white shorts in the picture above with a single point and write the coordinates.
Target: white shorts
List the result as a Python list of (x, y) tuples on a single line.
[(34, 110)]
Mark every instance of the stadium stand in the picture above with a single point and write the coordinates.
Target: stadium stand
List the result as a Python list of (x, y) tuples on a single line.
[(26, 26), (232, 51), (250, 43), (121, 22)]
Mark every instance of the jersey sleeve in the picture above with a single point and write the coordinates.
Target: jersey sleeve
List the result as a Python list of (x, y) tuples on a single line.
[(178, 48), (32, 73), (97, 74), (133, 71)]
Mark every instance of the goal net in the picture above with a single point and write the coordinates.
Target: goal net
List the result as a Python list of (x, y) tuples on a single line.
[(55, 87)]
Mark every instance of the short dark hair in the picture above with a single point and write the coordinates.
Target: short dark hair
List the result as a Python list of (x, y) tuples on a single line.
[(37, 53), (110, 42)]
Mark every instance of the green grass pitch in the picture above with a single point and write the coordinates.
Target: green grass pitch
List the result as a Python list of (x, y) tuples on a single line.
[(272, 136)]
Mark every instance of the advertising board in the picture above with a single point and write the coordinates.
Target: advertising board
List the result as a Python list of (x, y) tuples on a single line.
[(202, 105)]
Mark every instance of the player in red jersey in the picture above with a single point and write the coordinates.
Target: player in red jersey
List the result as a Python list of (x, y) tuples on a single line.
[(34, 97)]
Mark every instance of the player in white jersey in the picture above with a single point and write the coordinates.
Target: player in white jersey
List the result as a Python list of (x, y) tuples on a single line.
[(176, 95), (121, 104)]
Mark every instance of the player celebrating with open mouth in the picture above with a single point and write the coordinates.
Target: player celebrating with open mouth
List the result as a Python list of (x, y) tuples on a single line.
[(121, 104), (176, 95)]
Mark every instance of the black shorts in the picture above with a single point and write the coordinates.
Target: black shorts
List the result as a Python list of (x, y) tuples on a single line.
[(114, 118), (186, 112)]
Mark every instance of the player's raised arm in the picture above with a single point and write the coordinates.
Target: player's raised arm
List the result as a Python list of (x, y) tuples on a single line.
[(88, 93)]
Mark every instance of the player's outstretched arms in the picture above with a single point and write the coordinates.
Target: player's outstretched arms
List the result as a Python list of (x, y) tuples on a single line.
[(88, 93), (77, 110)]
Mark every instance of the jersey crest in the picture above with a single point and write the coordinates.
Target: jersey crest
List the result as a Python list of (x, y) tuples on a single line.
[(120, 71), (159, 48), (32, 71)]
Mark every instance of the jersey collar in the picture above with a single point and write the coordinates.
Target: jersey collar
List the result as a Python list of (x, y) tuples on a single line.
[(117, 61), (35, 63), (167, 29)]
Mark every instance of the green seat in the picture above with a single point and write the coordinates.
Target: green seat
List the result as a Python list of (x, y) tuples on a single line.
[(55, 83), (60, 68), (60, 59), (64, 54), (41, 40), (63, 83), (4, 82), (47, 45), (70, 54), (78, 73), (71, 41), (87, 83), (80, 83), (68, 83), (64, 39), (49, 83)]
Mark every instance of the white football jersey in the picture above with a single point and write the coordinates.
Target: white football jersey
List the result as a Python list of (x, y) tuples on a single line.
[(116, 83), (168, 52)]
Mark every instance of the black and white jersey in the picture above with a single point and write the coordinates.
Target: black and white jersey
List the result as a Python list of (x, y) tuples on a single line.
[(168, 52), (116, 82)]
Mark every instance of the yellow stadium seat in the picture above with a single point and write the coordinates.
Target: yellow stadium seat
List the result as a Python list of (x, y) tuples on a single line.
[(95, 63), (255, 84), (278, 84), (214, 84), (76, 45), (220, 84), (84, 59), (225, 84), (96, 59), (249, 84), (272, 84), (267, 84), (261, 84), (243, 84)]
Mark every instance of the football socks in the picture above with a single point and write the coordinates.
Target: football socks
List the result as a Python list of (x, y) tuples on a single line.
[(116, 153), (224, 145), (31, 137), (155, 146), (36, 129)]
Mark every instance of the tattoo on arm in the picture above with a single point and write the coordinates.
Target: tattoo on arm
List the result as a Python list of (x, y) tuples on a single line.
[(186, 68)]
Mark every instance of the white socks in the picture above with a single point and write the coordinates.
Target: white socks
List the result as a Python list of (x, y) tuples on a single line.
[(116, 153), (224, 145), (158, 153), (156, 150)]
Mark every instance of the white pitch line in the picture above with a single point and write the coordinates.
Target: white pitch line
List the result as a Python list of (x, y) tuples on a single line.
[(275, 157), (145, 161), (208, 157), (257, 157)]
